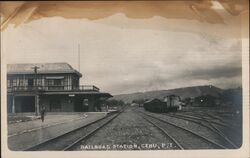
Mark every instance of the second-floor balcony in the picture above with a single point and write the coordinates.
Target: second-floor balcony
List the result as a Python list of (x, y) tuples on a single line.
[(53, 88)]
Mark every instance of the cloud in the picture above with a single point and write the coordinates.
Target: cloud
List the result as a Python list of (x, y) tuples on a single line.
[(223, 77), (219, 72), (123, 60)]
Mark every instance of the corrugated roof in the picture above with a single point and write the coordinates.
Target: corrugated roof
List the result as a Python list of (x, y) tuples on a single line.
[(43, 68)]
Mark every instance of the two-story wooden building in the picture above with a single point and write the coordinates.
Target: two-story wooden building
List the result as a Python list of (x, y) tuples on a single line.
[(52, 85)]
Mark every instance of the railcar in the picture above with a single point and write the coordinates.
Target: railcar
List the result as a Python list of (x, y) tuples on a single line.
[(170, 103)]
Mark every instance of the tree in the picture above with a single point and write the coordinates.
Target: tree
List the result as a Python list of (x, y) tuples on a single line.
[(205, 100), (187, 101), (114, 103), (232, 96), (138, 101)]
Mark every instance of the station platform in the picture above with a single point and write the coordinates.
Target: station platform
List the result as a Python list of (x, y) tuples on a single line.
[(24, 117), (22, 135)]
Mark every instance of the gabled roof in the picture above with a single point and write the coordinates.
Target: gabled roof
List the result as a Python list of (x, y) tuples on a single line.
[(153, 100), (44, 68)]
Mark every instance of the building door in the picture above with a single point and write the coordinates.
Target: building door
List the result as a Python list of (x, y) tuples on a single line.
[(25, 103), (55, 105), (9, 103), (81, 105)]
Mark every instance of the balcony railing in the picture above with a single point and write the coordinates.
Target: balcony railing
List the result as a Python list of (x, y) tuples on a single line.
[(53, 88)]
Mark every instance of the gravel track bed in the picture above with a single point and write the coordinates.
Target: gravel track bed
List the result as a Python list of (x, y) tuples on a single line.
[(129, 131)]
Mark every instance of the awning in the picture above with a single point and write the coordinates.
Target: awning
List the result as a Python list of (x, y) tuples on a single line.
[(55, 77)]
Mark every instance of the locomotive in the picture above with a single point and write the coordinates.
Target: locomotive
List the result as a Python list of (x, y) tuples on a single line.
[(170, 103)]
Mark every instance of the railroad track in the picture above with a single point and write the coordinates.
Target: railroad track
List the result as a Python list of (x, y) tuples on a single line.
[(218, 118), (71, 139), (177, 144), (178, 133), (202, 118), (208, 124), (209, 115)]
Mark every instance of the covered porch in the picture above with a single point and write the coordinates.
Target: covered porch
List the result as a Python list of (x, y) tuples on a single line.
[(77, 101)]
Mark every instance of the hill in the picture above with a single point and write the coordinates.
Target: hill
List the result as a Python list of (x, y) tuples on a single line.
[(182, 92)]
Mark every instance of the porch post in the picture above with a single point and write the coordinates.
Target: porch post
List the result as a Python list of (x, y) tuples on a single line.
[(37, 108), (13, 104), (91, 104)]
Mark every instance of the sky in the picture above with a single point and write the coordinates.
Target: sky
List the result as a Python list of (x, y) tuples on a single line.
[(124, 55)]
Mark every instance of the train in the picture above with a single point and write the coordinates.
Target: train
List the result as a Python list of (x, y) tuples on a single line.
[(171, 103)]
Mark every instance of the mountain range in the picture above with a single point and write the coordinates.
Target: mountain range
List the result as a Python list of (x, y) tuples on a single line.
[(182, 92)]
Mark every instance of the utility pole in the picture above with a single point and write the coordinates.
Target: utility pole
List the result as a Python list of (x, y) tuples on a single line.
[(36, 91), (79, 57)]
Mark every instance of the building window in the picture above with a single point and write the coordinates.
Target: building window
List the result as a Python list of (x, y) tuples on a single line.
[(50, 82), (14, 83), (21, 82), (39, 82), (30, 82), (57, 82), (8, 83)]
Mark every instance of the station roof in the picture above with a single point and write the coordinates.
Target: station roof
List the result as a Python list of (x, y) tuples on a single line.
[(44, 68), (94, 93)]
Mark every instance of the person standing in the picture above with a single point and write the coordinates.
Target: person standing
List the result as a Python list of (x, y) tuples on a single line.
[(42, 113)]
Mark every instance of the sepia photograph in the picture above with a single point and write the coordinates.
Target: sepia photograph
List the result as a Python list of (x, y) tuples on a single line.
[(129, 78)]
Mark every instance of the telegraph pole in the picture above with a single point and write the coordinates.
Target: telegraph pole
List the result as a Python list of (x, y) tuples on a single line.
[(36, 91), (79, 57)]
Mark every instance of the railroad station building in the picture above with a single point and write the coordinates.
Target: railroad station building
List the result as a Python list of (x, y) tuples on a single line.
[(54, 86)]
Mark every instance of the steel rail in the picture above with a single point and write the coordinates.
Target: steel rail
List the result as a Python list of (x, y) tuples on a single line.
[(199, 118), (166, 133), (46, 142), (78, 141), (213, 122), (185, 129), (211, 127)]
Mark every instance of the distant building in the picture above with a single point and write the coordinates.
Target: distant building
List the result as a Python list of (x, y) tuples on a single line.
[(52, 85), (134, 104)]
